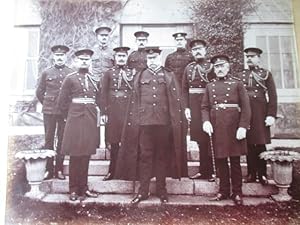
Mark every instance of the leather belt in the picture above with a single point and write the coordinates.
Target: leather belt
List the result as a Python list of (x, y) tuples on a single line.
[(196, 90), (225, 105), (83, 100)]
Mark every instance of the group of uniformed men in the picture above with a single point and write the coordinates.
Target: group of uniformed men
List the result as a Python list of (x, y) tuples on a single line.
[(148, 108)]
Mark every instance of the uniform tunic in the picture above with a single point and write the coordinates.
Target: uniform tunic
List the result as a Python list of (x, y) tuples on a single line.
[(177, 61), (196, 76), (103, 59), (127, 164), (81, 132), (226, 120), (260, 87), (49, 86), (137, 60), (114, 96), (47, 93)]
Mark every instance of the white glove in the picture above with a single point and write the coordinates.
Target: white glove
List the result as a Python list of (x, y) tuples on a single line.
[(207, 127), (187, 113), (241, 133), (269, 121), (103, 119)]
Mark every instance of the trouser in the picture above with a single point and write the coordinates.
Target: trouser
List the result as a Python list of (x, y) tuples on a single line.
[(78, 174), (54, 123), (256, 165), (153, 142), (113, 157), (206, 167), (235, 175)]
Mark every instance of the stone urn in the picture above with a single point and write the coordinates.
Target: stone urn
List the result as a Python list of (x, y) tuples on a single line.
[(35, 164), (282, 167)]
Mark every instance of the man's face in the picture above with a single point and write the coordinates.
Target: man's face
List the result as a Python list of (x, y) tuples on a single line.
[(180, 42), (83, 62), (59, 59), (221, 70), (121, 58), (199, 51), (153, 60), (141, 42), (252, 60), (103, 36)]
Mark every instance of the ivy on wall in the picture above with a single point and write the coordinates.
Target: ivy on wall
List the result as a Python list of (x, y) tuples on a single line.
[(221, 24), (71, 22)]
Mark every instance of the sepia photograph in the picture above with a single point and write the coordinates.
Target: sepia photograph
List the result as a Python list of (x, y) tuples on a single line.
[(152, 112)]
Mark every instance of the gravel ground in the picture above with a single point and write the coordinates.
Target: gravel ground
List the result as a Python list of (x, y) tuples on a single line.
[(22, 210)]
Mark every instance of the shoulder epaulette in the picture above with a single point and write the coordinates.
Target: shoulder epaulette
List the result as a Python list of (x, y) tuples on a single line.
[(191, 63), (235, 78), (70, 74)]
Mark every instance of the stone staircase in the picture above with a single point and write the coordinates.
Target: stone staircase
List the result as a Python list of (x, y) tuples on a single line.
[(182, 191)]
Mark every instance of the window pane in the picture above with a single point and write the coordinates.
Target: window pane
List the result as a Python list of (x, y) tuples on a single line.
[(288, 56), (31, 74), (276, 69), (261, 42), (33, 40), (274, 44)]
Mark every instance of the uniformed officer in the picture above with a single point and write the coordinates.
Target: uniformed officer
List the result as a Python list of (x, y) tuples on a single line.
[(137, 59), (103, 58), (178, 60), (226, 117), (115, 90), (196, 76), (47, 92), (77, 101), (263, 98), (152, 139)]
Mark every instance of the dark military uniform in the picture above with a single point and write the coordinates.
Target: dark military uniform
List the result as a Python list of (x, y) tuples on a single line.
[(137, 60), (195, 78), (47, 93), (177, 61), (103, 59), (81, 135), (154, 118), (114, 96), (263, 98), (226, 105)]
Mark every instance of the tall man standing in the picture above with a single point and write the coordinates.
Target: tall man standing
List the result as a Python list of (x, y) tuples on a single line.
[(103, 57), (178, 60), (47, 93), (263, 98), (196, 76), (137, 59), (152, 138), (116, 88), (226, 117), (77, 101)]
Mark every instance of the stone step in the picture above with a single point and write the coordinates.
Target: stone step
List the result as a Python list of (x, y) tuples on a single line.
[(185, 186), (104, 154), (100, 167), (152, 201)]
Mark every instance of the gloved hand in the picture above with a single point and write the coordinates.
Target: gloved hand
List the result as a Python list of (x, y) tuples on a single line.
[(187, 113), (103, 119), (269, 121), (207, 127), (241, 133)]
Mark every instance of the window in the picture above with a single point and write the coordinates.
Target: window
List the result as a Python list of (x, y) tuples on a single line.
[(160, 35), (279, 56), (25, 72)]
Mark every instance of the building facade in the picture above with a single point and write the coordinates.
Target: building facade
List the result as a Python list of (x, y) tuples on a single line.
[(270, 27)]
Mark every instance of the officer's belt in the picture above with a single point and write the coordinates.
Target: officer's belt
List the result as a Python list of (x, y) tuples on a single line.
[(196, 90), (225, 105), (83, 100)]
